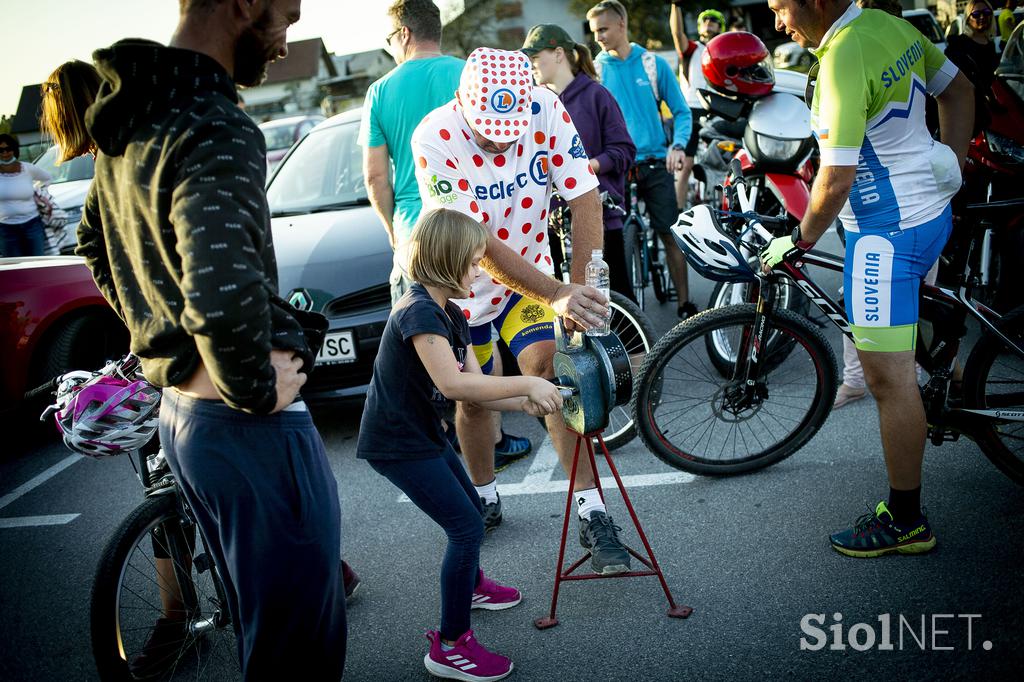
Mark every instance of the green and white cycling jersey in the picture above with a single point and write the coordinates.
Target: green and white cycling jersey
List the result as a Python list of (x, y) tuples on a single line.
[(868, 110)]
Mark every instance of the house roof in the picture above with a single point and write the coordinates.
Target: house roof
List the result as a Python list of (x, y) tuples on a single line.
[(303, 62), (26, 120)]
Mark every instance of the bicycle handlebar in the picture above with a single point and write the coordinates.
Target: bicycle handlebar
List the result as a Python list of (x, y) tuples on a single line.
[(740, 184)]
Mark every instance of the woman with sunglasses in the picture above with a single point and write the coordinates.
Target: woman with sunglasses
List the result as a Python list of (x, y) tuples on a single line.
[(21, 228), (975, 55)]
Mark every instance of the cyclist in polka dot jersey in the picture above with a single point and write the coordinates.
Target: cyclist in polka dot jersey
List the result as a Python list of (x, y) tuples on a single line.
[(495, 153)]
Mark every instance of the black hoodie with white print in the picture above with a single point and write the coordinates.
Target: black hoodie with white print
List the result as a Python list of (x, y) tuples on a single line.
[(176, 228)]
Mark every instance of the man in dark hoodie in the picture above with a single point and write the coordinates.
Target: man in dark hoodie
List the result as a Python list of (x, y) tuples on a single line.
[(176, 231)]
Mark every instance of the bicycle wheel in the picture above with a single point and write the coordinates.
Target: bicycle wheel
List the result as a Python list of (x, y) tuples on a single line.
[(994, 379), (636, 332), (634, 260), (696, 420), (722, 354), (127, 597)]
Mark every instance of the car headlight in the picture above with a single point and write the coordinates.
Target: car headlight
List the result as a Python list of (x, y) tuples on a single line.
[(1005, 146)]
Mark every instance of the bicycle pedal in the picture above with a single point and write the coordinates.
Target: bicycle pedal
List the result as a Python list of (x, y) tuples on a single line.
[(939, 435), (201, 562)]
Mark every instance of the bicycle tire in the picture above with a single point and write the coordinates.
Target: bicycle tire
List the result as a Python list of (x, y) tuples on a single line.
[(636, 332), (789, 297), (655, 392), (633, 248), (116, 631), (994, 378)]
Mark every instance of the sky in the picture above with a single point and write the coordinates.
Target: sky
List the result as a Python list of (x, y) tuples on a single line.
[(42, 34)]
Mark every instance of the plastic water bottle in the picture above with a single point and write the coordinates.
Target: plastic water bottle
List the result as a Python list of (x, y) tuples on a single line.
[(597, 277)]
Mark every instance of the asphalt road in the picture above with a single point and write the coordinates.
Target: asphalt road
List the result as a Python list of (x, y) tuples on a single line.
[(750, 554)]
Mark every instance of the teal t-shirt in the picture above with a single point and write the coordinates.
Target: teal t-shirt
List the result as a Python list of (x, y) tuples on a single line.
[(394, 106)]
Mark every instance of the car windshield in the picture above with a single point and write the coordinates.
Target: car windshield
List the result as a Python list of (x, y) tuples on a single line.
[(325, 170), (81, 168), (280, 136), (927, 25), (1011, 67)]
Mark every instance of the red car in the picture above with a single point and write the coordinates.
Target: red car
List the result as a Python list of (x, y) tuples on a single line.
[(52, 320)]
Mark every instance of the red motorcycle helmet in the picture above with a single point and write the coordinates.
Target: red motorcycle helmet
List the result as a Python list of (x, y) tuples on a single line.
[(738, 63)]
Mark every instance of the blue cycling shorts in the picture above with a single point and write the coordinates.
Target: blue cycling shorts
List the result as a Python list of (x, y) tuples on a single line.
[(522, 323), (882, 281)]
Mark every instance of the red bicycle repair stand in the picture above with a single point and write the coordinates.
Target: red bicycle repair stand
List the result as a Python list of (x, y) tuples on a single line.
[(650, 562)]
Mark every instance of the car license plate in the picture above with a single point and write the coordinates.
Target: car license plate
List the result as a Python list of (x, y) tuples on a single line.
[(338, 347)]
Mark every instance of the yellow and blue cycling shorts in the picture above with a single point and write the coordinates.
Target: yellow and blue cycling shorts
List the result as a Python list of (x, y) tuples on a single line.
[(882, 281), (522, 323)]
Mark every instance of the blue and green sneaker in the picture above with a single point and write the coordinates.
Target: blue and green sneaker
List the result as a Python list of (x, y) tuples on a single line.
[(875, 534)]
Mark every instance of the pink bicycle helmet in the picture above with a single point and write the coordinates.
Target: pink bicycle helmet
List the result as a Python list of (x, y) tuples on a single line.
[(109, 416)]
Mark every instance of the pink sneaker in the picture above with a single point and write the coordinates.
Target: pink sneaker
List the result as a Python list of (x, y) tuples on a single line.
[(494, 597), (467, 660)]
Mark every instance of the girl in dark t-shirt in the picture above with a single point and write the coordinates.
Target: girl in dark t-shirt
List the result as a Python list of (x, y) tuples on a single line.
[(425, 361)]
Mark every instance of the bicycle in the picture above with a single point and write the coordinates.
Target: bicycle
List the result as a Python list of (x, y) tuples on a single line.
[(644, 260), (782, 376), (628, 322), (154, 566)]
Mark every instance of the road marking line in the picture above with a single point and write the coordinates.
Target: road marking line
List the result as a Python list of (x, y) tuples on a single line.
[(38, 480), (30, 521), (540, 479)]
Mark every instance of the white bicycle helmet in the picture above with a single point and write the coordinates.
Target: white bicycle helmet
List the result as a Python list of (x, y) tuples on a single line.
[(709, 248), (109, 416)]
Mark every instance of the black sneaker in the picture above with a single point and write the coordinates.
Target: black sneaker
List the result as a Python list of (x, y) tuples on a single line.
[(491, 514), (166, 643), (601, 536), (687, 310)]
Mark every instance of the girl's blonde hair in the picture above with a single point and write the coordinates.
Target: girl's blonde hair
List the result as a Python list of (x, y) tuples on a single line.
[(67, 93), (442, 248)]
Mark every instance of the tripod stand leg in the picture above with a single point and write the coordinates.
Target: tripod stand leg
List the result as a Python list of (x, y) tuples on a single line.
[(550, 620)]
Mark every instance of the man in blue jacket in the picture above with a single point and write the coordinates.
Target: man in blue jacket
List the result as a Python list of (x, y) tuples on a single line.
[(640, 81)]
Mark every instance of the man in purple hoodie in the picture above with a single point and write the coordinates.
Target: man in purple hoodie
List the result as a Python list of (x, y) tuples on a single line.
[(565, 68)]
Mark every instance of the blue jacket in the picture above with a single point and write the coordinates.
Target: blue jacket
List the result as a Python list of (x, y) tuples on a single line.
[(627, 80), (603, 132)]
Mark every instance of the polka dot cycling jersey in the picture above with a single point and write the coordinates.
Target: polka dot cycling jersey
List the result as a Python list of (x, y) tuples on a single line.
[(508, 193)]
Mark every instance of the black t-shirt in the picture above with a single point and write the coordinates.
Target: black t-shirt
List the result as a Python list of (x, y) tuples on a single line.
[(978, 63), (403, 412)]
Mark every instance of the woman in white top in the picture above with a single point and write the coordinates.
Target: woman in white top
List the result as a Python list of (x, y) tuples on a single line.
[(21, 228)]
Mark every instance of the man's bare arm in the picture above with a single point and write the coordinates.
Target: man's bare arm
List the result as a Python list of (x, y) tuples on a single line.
[(956, 116), (678, 30), (377, 171)]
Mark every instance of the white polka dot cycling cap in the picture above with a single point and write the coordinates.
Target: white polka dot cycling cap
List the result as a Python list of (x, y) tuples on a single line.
[(496, 92)]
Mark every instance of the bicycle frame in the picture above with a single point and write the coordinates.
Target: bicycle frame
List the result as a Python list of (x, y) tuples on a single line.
[(940, 363)]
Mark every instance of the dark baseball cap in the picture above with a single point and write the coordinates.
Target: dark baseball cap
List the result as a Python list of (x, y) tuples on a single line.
[(547, 37)]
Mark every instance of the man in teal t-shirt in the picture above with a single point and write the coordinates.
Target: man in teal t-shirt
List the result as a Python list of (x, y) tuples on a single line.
[(423, 80)]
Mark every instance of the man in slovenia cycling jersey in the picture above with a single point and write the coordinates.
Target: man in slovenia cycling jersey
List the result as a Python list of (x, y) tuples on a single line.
[(495, 153), (890, 184)]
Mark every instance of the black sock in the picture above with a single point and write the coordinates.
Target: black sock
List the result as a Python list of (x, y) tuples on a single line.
[(905, 505)]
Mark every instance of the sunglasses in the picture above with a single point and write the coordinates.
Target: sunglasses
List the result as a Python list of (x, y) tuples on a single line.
[(387, 41), (981, 13), (4, 150), (51, 86)]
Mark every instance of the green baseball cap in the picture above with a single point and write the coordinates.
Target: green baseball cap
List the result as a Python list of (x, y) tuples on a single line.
[(547, 37)]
